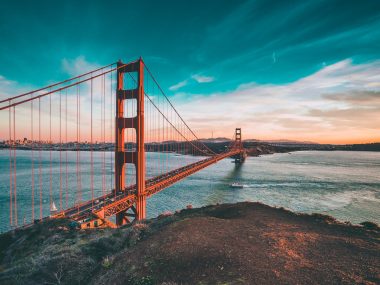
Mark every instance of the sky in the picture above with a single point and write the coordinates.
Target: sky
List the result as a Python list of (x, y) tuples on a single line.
[(297, 70)]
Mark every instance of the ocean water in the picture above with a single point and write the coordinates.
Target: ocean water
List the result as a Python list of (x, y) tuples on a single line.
[(345, 185)]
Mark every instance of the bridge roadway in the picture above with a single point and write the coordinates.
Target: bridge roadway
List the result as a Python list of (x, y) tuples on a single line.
[(113, 203)]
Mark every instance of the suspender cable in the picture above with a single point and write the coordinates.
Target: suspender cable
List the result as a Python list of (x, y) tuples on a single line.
[(77, 150), (10, 169), (167, 120), (111, 130), (101, 131), (163, 93), (79, 147), (60, 150), (67, 187), (91, 149), (32, 154), (104, 136), (130, 138), (39, 155), (156, 138), (126, 138), (163, 145), (50, 146), (14, 168), (167, 139)]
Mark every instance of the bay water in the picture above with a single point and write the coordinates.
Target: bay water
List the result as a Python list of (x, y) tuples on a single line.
[(345, 185)]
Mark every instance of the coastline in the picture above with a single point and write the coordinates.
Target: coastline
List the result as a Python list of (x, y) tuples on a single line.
[(254, 148)]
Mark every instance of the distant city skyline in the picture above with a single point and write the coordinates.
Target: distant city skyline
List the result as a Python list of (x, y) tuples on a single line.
[(297, 70)]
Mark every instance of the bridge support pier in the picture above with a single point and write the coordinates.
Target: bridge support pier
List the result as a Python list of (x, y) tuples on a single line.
[(137, 157), (122, 219), (240, 158), (141, 207)]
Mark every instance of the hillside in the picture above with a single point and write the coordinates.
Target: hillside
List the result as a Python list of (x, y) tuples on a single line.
[(244, 243)]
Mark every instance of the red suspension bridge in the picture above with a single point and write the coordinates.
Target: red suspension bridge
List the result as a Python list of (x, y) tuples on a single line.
[(120, 108)]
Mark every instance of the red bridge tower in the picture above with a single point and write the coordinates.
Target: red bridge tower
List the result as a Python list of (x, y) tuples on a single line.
[(239, 144), (137, 157)]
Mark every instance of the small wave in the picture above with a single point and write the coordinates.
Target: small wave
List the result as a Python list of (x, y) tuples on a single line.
[(333, 201), (273, 184)]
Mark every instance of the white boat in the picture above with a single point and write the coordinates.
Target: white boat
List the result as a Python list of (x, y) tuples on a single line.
[(236, 185), (53, 208)]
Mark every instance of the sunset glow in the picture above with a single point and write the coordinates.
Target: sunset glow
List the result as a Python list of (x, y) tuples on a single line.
[(230, 68)]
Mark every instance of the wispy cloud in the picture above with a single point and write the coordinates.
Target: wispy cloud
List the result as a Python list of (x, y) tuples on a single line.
[(6, 87), (10, 88), (202, 79), (337, 104), (197, 77), (365, 97), (178, 85), (274, 57), (77, 65)]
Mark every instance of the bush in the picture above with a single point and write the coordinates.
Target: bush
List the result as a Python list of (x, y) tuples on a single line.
[(107, 262), (370, 225), (165, 214)]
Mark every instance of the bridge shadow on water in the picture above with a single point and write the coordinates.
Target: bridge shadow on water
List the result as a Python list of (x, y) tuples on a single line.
[(235, 173), (221, 191)]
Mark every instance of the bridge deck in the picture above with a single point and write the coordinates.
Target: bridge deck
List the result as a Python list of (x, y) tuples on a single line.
[(112, 203)]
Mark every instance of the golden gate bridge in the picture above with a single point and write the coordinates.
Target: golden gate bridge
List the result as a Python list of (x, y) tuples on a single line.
[(121, 107)]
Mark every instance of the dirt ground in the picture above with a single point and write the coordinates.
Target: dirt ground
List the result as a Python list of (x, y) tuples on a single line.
[(244, 243), (250, 243)]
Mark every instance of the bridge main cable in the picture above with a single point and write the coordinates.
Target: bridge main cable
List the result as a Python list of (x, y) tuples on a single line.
[(58, 89), (55, 84), (175, 110), (167, 119)]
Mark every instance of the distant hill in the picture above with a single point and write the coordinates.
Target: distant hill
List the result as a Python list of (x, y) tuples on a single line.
[(280, 141), (215, 140), (359, 147), (257, 147), (285, 141)]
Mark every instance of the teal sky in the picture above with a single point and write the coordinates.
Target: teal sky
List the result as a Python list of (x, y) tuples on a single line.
[(201, 49)]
